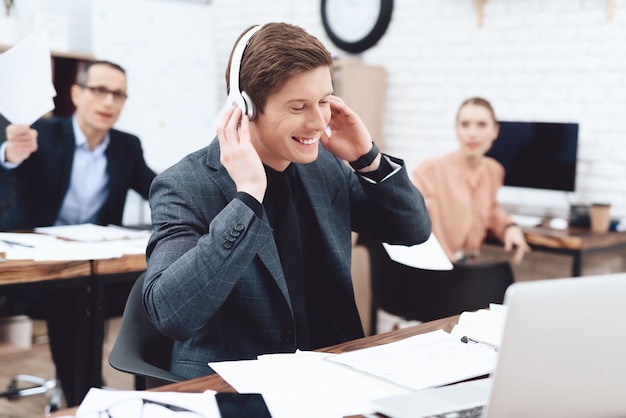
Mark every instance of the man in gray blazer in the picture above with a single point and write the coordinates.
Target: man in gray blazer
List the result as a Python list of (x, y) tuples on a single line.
[(251, 247)]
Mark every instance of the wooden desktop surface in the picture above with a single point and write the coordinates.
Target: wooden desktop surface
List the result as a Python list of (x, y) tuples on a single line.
[(573, 238), (30, 271), (125, 264)]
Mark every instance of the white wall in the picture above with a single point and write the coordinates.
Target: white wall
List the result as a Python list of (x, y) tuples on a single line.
[(535, 60), (540, 60)]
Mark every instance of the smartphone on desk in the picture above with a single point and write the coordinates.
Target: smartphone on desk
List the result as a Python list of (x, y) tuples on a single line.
[(242, 405)]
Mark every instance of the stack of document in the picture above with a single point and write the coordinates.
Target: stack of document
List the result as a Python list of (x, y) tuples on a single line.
[(314, 384), (86, 242), (92, 233)]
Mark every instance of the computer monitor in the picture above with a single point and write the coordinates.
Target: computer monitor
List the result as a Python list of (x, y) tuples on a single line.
[(538, 155)]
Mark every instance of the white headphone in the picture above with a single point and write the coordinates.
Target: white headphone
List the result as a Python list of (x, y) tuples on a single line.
[(236, 96)]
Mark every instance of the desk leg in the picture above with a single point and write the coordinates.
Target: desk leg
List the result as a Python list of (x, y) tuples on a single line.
[(70, 335), (97, 333), (577, 264)]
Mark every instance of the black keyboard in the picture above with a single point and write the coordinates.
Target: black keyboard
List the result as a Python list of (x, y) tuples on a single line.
[(475, 412)]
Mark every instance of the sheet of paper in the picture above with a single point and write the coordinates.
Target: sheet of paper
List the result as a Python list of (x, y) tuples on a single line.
[(98, 400), (93, 233), (427, 360), (41, 247), (428, 255), (304, 384), (12, 240), (26, 80), (485, 325)]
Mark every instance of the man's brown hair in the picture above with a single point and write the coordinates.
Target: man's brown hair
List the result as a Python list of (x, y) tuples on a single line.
[(276, 53)]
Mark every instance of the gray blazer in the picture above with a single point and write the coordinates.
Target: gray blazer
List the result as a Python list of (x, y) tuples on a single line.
[(214, 281)]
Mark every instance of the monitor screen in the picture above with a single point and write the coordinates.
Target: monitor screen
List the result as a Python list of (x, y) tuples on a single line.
[(537, 155)]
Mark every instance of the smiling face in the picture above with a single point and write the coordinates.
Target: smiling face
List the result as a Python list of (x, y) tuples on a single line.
[(294, 118), (95, 113), (476, 129)]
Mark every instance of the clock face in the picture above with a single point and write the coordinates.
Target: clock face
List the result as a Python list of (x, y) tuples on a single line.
[(356, 25)]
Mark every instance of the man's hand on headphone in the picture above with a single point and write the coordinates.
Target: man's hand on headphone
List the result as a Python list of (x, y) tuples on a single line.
[(349, 139), (238, 155)]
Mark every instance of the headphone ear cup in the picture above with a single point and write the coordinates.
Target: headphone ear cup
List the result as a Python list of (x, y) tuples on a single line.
[(250, 109)]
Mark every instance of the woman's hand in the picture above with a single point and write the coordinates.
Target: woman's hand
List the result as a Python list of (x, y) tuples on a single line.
[(514, 239)]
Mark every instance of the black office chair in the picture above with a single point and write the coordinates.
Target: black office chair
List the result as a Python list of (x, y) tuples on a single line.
[(140, 349), (426, 295)]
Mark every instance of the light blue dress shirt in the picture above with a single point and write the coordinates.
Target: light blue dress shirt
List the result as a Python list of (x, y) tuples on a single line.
[(88, 189)]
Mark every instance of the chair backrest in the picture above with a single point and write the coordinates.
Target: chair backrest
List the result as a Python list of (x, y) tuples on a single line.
[(140, 349), (425, 295)]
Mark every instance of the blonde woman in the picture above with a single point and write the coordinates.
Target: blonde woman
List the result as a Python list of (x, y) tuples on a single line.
[(460, 189)]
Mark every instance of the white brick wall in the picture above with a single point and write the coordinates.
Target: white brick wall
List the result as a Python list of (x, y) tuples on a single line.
[(540, 60)]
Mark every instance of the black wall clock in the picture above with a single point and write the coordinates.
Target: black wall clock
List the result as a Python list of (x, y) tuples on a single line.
[(356, 25)]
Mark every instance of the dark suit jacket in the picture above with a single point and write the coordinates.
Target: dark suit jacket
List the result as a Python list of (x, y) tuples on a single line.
[(38, 186), (215, 281)]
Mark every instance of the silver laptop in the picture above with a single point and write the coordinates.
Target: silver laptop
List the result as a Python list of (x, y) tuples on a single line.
[(563, 354)]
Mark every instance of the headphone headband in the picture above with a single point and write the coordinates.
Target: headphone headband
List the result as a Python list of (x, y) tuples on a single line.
[(236, 96)]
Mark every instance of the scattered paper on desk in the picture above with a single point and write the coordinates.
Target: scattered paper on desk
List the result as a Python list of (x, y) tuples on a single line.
[(11, 240), (41, 247), (98, 400), (485, 325), (26, 80), (426, 360), (93, 233), (304, 384), (428, 255)]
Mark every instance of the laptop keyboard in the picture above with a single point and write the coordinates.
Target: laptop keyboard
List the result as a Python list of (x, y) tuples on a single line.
[(475, 412)]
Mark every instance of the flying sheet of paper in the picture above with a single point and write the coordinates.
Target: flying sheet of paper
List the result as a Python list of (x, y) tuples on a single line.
[(26, 80), (428, 255)]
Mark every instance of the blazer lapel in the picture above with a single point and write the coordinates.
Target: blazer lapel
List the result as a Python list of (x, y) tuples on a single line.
[(65, 153)]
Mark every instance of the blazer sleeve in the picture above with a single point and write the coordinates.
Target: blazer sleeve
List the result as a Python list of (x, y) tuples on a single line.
[(392, 210)]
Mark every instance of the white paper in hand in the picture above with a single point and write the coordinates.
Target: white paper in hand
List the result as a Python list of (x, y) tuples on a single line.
[(428, 255), (26, 80)]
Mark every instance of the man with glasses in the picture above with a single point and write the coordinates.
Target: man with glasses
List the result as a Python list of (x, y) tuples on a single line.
[(78, 169), (65, 171)]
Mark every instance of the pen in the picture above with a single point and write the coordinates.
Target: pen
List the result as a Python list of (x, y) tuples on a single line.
[(465, 339), (14, 243)]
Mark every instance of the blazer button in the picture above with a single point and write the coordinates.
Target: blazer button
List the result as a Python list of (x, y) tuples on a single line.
[(227, 244), (230, 238), (240, 227), (288, 336)]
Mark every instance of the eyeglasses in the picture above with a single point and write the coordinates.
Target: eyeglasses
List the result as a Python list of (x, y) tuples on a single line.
[(102, 92), (139, 408)]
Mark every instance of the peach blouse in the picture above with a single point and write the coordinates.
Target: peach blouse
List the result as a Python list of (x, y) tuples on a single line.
[(462, 202)]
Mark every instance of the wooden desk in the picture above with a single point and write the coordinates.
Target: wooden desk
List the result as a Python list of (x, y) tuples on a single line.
[(573, 241), (91, 278), (23, 276), (17, 272), (215, 382)]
